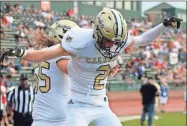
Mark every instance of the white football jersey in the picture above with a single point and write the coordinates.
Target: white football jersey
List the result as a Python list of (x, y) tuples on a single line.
[(52, 91), (88, 69)]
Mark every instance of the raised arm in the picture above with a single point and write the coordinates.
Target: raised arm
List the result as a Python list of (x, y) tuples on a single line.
[(36, 55), (149, 36), (70, 45)]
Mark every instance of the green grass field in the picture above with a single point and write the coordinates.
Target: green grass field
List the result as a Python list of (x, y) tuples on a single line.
[(165, 119)]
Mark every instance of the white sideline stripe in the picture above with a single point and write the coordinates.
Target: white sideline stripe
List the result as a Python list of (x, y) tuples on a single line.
[(130, 118)]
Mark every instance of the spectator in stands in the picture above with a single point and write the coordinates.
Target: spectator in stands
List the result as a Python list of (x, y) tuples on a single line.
[(50, 16), (25, 63), (140, 70), (148, 92), (10, 19), (8, 82), (160, 63), (135, 31), (4, 21), (134, 23), (39, 23), (178, 73), (83, 22), (146, 53), (5, 8), (8, 66), (9, 86), (11, 68), (170, 76), (18, 8), (150, 21), (28, 8), (3, 36), (164, 93), (173, 57), (3, 103), (2, 90), (70, 12), (182, 55), (144, 25), (20, 35)]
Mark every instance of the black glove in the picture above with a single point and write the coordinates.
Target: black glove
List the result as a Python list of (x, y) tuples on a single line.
[(11, 52), (17, 52), (172, 22)]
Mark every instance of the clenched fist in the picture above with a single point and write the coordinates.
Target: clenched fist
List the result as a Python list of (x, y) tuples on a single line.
[(172, 22)]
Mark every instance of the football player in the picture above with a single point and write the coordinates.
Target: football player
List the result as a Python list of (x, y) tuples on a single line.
[(93, 54), (52, 84)]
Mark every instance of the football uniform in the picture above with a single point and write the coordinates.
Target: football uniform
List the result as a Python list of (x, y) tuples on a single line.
[(52, 94), (88, 70)]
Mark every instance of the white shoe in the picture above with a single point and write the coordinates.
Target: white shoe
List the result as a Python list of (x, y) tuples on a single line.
[(156, 117), (185, 112)]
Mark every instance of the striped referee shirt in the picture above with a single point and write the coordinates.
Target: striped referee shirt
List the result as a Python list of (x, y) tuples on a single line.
[(22, 99)]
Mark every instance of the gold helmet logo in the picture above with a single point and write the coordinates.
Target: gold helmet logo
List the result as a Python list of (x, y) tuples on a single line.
[(59, 28)]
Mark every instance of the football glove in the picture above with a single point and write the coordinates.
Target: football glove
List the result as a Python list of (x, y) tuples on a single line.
[(13, 52), (172, 22)]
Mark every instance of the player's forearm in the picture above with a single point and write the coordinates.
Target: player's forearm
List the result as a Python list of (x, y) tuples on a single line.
[(44, 54), (35, 56), (149, 36)]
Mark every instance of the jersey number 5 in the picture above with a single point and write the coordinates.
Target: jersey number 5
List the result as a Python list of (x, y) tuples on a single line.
[(106, 70), (44, 77)]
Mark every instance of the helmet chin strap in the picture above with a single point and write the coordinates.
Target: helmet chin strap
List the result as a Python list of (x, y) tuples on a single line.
[(106, 54)]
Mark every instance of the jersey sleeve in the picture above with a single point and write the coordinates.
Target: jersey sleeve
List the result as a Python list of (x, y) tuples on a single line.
[(72, 42), (63, 57)]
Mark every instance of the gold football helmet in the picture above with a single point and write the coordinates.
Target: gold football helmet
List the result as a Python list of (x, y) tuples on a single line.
[(59, 28), (110, 28)]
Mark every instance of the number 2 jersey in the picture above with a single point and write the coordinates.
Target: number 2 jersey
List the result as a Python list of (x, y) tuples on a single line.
[(88, 69), (52, 91)]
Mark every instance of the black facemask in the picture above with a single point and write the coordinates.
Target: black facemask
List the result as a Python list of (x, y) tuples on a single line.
[(109, 52)]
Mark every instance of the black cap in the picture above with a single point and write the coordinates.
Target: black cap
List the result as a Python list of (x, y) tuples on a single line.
[(150, 78), (23, 76), (8, 76)]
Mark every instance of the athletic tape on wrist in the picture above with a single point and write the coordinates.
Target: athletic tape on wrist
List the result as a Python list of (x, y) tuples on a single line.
[(23, 53)]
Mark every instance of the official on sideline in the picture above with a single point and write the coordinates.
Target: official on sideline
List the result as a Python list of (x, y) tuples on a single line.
[(22, 98)]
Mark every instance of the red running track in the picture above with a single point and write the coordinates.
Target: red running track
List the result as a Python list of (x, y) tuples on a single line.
[(125, 107)]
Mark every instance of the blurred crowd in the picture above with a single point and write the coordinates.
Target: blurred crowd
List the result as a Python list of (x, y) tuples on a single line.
[(166, 56), (165, 59), (26, 19)]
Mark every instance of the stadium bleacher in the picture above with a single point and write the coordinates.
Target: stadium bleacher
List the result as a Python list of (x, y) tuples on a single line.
[(114, 84)]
